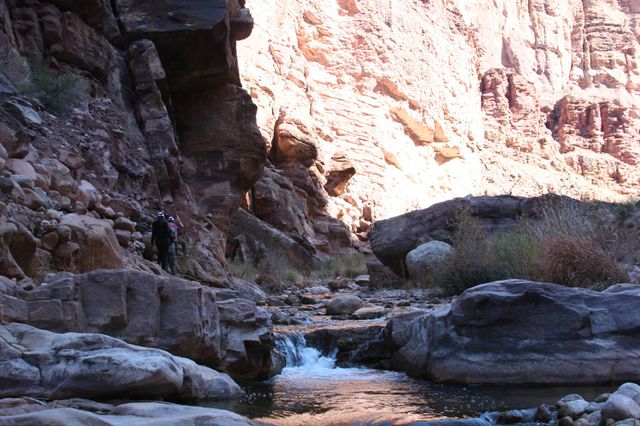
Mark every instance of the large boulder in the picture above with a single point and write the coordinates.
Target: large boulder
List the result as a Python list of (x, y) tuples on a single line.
[(164, 312), (99, 247), (345, 305), (518, 331), (247, 339), (424, 258), (182, 317), (392, 239), (45, 364)]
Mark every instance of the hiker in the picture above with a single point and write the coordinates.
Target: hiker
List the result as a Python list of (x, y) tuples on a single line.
[(161, 236), (173, 246)]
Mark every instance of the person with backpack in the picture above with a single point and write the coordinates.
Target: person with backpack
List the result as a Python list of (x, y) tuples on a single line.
[(161, 237), (173, 246)]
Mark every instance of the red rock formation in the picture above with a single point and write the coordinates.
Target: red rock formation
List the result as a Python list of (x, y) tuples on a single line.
[(166, 125), (432, 100)]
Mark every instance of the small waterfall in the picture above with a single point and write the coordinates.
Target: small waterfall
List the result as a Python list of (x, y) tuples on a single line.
[(300, 356), (291, 345)]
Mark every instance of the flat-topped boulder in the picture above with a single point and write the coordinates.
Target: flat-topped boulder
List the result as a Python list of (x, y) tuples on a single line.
[(517, 331)]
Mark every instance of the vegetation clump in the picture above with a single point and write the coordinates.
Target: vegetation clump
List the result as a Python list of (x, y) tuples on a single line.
[(58, 92), (566, 243)]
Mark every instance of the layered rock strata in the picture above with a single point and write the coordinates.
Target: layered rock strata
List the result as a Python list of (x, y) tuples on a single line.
[(523, 332)]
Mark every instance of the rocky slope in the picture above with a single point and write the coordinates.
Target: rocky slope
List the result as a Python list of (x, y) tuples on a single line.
[(161, 123), (388, 106)]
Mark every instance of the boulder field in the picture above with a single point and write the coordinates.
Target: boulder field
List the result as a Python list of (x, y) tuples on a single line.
[(517, 331)]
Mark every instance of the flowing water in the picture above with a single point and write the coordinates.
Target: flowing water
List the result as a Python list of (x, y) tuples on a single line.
[(311, 390)]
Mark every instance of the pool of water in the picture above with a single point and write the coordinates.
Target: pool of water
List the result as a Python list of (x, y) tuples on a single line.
[(313, 391)]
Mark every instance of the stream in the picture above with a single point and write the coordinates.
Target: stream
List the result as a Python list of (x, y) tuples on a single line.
[(311, 390)]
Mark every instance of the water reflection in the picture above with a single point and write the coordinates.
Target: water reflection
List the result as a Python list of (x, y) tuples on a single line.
[(315, 392)]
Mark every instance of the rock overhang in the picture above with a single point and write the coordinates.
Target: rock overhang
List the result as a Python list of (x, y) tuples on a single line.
[(151, 16), (195, 38)]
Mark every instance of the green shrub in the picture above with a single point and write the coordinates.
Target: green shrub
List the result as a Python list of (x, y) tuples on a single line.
[(469, 263), (514, 254), (58, 93), (242, 270)]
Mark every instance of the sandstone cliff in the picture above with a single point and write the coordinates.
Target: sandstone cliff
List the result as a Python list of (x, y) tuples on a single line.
[(389, 106)]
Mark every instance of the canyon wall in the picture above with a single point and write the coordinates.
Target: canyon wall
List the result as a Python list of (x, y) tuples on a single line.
[(403, 104)]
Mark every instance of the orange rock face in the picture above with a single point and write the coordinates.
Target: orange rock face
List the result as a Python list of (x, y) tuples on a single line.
[(431, 100)]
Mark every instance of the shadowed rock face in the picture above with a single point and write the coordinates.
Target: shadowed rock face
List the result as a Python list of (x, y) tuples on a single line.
[(219, 152), (167, 122), (190, 35), (524, 332)]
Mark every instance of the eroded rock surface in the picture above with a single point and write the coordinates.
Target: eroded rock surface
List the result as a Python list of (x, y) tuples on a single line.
[(180, 316), (29, 411), (160, 122), (523, 332), (45, 364)]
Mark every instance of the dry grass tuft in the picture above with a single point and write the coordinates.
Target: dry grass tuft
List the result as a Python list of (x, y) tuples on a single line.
[(575, 264), (568, 243)]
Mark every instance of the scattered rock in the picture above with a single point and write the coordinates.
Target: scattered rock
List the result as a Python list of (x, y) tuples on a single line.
[(338, 284), (370, 312), (620, 407), (426, 257), (99, 247), (344, 305), (318, 290), (572, 406), (125, 224)]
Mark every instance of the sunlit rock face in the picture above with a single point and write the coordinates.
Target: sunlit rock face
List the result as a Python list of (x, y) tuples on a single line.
[(431, 100)]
